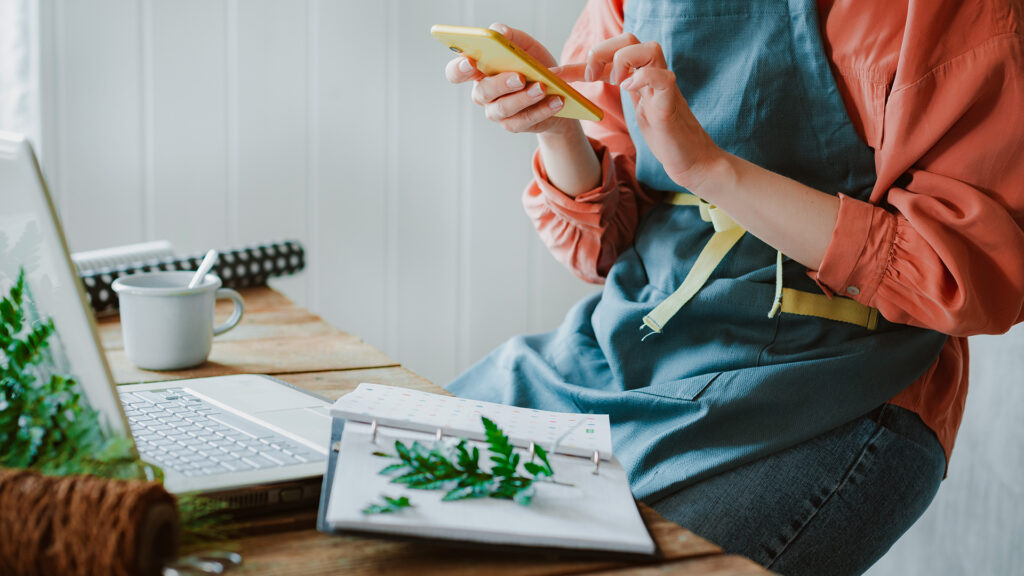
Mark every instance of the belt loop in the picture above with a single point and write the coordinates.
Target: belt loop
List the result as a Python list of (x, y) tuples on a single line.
[(777, 303), (879, 413)]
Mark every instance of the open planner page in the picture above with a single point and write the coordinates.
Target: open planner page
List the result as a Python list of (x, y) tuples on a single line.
[(577, 434), (583, 511)]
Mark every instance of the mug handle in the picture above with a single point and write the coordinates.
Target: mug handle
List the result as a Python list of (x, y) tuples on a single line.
[(236, 315)]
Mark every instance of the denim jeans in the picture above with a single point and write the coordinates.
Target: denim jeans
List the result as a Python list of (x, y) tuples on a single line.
[(830, 506)]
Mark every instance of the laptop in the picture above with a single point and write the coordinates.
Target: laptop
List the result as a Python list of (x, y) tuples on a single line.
[(251, 440)]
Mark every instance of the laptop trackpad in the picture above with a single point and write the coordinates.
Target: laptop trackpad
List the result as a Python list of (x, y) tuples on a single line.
[(313, 424)]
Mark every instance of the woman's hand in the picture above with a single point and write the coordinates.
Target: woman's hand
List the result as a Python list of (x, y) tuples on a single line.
[(785, 214), (572, 166), (669, 127), (506, 98)]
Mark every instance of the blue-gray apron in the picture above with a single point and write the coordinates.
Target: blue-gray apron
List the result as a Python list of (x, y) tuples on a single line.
[(723, 383)]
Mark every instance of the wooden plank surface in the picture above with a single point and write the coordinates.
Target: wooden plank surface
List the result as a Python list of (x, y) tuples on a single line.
[(718, 565), (309, 553), (335, 384), (359, 555), (277, 337), (259, 324), (268, 356)]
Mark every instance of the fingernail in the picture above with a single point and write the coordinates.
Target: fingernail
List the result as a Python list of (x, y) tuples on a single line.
[(612, 79), (465, 66), (499, 27), (587, 74), (555, 103), (537, 89), (626, 83), (514, 82)]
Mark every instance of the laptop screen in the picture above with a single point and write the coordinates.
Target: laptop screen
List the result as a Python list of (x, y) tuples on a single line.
[(32, 247)]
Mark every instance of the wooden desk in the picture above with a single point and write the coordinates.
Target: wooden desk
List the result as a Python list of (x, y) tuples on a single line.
[(277, 337)]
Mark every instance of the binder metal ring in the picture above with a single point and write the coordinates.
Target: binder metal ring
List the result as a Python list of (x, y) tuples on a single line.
[(596, 459), (373, 431)]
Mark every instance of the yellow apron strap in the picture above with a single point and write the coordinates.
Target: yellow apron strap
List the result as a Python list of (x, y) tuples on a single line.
[(787, 300), (838, 309), (727, 233), (683, 199), (777, 303)]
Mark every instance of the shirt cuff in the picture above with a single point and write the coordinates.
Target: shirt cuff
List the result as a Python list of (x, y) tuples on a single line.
[(586, 208), (859, 250)]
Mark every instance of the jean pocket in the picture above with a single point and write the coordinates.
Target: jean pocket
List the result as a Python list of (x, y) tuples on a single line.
[(683, 389)]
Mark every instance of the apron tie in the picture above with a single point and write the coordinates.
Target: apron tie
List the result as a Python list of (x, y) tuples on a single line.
[(727, 233), (777, 305), (788, 300)]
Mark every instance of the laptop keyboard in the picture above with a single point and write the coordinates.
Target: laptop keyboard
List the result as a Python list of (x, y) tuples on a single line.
[(177, 430)]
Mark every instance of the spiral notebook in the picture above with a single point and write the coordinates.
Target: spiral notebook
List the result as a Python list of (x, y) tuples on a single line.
[(591, 507)]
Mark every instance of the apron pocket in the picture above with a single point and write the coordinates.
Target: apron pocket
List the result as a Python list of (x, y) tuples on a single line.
[(685, 389)]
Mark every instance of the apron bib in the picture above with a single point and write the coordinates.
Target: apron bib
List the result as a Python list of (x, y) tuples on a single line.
[(722, 383)]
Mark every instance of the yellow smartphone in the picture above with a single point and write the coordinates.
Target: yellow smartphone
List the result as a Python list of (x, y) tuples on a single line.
[(493, 53)]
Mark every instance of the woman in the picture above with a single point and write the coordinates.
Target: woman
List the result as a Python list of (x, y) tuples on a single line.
[(799, 211)]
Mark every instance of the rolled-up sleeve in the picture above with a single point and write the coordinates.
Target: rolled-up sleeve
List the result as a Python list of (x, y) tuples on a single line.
[(940, 245), (587, 232)]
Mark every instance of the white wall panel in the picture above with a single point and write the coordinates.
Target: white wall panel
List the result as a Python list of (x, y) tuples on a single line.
[(424, 210), (185, 107), (350, 152), (267, 124), (99, 141), (552, 288), (495, 230)]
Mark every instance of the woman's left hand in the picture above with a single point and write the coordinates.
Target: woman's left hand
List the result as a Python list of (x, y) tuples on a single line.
[(785, 214), (668, 125)]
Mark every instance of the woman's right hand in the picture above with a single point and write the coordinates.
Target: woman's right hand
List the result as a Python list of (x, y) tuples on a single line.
[(506, 98)]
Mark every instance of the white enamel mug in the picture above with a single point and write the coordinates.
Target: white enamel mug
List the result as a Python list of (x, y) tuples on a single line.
[(168, 326)]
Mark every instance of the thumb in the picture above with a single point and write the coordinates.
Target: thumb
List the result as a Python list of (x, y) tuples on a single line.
[(570, 72)]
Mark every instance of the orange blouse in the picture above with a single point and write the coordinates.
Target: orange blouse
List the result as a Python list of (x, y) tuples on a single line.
[(937, 90)]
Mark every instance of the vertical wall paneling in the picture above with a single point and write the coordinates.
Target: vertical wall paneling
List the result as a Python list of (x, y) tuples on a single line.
[(271, 125), (313, 253), (35, 12), (231, 118), (352, 93), (464, 287), (186, 114), (49, 28), (552, 289), (495, 236), (427, 153), (100, 135), (391, 318), (148, 191)]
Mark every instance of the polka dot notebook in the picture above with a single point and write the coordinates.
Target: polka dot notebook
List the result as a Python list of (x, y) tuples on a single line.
[(556, 432)]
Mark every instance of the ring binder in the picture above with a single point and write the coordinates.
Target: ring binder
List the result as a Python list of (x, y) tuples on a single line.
[(566, 433), (560, 515)]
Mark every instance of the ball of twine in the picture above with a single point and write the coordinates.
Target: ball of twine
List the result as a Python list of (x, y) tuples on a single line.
[(84, 525)]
